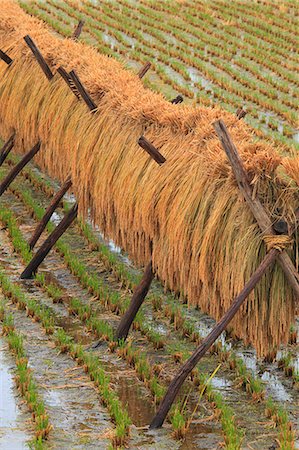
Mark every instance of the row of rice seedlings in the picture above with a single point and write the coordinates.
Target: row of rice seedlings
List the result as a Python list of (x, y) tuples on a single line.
[(213, 50), (216, 47), (204, 99), (24, 378), (221, 79), (225, 36), (258, 28), (65, 343), (279, 23)]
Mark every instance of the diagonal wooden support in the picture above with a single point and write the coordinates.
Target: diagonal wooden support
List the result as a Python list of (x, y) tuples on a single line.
[(7, 147), (78, 29), (136, 302), (259, 212), (69, 81), (189, 365), (177, 99), (51, 208), (51, 240), (18, 167), (4, 56), (144, 69), (151, 150), (240, 113), (81, 89), (39, 57)]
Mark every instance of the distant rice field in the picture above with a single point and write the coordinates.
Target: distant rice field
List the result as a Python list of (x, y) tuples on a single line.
[(235, 54)]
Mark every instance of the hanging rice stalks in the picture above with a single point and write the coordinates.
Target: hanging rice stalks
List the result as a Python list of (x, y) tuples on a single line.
[(205, 242)]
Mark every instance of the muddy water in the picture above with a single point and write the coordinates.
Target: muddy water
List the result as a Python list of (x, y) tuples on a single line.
[(15, 421)]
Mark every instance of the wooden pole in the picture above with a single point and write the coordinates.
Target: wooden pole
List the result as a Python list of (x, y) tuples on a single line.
[(151, 150), (78, 30), (177, 99), (136, 302), (189, 365), (49, 242), (4, 56), (18, 167), (144, 69), (51, 208), (69, 81), (257, 209), (240, 113), (81, 89), (7, 147), (39, 57)]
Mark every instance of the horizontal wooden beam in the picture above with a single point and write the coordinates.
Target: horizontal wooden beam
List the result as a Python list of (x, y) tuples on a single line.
[(4, 56), (39, 57), (151, 150)]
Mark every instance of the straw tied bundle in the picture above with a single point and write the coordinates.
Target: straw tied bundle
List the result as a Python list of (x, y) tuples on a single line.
[(189, 212)]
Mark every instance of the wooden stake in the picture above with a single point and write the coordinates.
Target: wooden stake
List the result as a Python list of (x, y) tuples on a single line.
[(39, 57), (189, 365), (18, 167), (177, 99), (7, 147), (51, 208), (144, 69), (78, 30), (81, 89), (69, 81), (257, 209), (51, 240), (136, 302), (151, 150), (240, 113), (4, 56)]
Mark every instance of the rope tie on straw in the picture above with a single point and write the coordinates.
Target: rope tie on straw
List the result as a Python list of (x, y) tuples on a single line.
[(277, 241)]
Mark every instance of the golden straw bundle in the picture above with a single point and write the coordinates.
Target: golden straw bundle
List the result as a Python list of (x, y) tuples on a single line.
[(206, 243)]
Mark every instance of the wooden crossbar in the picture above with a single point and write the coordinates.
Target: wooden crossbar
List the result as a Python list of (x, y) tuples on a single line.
[(39, 57), (151, 150)]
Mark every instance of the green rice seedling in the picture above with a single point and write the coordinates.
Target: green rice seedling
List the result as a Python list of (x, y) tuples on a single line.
[(54, 292), (178, 423), (157, 389), (156, 302), (62, 340), (15, 343), (7, 325)]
